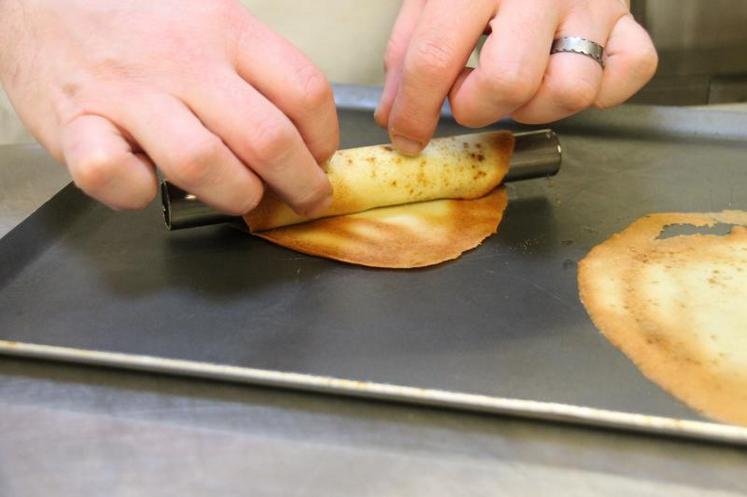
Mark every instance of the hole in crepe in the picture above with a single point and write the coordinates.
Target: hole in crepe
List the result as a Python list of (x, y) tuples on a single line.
[(672, 230)]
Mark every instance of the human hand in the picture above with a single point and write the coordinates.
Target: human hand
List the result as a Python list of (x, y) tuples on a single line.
[(432, 40), (219, 102)]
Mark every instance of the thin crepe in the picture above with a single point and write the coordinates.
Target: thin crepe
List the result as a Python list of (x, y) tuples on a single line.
[(404, 236), (459, 167), (677, 307)]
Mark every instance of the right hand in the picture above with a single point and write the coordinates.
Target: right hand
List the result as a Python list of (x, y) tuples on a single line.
[(432, 40), (219, 102)]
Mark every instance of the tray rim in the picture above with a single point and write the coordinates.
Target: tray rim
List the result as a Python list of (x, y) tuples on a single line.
[(504, 406)]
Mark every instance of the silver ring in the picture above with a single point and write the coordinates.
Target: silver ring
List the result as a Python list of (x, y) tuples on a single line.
[(581, 46)]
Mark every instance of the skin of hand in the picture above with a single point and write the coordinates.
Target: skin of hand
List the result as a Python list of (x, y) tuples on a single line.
[(220, 103), (516, 75)]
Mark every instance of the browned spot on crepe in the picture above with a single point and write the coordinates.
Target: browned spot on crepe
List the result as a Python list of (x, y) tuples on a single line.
[(406, 236), (677, 307)]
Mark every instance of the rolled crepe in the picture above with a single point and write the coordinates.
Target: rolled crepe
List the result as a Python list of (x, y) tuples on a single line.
[(458, 167)]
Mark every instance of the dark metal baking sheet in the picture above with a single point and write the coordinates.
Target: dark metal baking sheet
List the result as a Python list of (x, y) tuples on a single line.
[(500, 329)]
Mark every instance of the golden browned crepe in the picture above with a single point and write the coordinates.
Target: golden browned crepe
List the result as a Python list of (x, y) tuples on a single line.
[(393, 211), (404, 236), (364, 178), (677, 306)]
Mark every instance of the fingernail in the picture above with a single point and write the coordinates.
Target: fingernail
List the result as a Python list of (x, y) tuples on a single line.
[(406, 146), (322, 206), (318, 208), (377, 117)]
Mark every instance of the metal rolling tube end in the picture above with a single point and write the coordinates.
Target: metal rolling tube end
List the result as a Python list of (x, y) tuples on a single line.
[(537, 154), (182, 210)]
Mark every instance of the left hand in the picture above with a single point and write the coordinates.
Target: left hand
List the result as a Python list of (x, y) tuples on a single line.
[(516, 76)]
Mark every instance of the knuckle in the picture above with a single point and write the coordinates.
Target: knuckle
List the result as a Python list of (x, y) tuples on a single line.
[(195, 163), (573, 96), (429, 58), (272, 140), (93, 172), (314, 89), (512, 86), (107, 68)]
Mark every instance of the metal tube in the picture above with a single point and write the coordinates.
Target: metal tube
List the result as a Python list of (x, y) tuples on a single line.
[(182, 210), (537, 154)]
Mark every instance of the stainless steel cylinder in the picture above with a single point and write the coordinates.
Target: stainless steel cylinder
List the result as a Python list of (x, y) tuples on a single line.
[(537, 154), (182, 210)]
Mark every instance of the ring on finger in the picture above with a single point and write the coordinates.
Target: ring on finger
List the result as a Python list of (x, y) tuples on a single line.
[(578, 45)]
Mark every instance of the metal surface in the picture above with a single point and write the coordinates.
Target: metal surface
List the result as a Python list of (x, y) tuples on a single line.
[(503, 322), (537, 154)]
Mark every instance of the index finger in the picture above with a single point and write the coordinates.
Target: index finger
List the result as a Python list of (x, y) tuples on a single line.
[(443, 40), (288, 79)]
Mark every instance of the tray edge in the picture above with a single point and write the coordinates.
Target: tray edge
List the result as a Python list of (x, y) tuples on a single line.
[(546, 411)]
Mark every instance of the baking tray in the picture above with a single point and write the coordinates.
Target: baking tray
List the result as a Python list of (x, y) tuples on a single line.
[(500, 330)]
